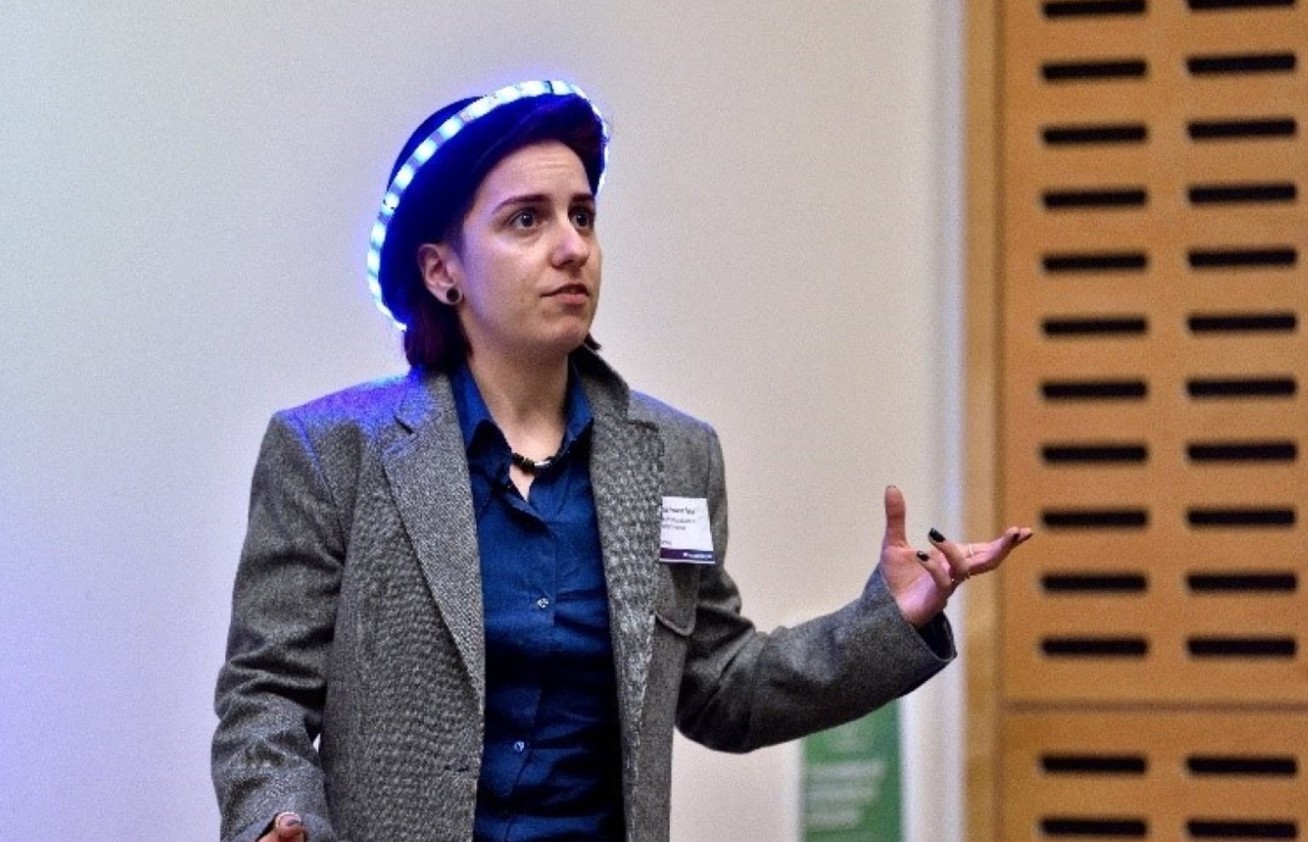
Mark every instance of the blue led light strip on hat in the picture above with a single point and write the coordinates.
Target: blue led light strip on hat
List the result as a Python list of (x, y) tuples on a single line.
[(425, 150)]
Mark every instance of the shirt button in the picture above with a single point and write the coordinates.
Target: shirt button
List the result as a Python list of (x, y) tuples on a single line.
[(542, 603), (519, 747)]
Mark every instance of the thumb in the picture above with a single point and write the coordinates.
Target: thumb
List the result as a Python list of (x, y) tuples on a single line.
[(895, 512), (290, 828)]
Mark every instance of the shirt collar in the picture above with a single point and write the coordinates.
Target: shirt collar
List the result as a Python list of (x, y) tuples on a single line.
[(474, 415)]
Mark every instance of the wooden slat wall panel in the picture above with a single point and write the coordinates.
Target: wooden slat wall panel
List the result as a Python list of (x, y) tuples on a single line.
[(1156, 776), (1149, 278), (1154, 353)]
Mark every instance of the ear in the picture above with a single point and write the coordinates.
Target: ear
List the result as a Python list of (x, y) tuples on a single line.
[(439, 265)]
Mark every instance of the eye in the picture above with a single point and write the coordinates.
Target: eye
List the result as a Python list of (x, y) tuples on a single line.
[(525, 218), (583, 217)]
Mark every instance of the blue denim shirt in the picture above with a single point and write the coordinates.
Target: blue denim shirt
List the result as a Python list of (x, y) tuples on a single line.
[(551, 760)]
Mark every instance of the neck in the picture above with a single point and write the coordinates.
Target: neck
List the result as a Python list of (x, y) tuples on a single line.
[(525, 398)]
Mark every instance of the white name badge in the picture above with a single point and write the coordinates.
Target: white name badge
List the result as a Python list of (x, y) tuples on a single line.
[(686, 535)]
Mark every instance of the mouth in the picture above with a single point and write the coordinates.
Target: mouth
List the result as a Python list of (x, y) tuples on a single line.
[(569, 290)]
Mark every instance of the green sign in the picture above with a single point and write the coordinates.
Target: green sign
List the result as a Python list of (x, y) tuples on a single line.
[(851, 781)]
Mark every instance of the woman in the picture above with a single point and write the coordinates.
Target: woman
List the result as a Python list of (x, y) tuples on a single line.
[(474, 601)]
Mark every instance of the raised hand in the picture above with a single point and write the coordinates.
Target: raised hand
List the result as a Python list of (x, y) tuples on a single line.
[(921, 581)]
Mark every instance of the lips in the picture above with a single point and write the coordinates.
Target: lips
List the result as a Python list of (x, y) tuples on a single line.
[(569, 290)]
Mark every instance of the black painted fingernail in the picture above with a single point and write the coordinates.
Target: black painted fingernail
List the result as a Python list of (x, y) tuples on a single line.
[(935, 535), (923, 557)]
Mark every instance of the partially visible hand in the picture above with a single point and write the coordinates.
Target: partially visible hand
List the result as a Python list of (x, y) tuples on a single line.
[(287, 828), (922, 581)]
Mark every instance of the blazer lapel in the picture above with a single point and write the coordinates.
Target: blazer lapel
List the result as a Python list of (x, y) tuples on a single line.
[(626, 474), (428, 471)]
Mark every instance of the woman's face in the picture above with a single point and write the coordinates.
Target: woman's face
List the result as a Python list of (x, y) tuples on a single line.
[(529, 266)]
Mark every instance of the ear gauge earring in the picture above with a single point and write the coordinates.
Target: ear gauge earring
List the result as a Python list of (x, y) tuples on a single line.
[(453, 296)]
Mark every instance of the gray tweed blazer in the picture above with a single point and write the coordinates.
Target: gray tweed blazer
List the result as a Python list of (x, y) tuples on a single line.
[(354, 682)]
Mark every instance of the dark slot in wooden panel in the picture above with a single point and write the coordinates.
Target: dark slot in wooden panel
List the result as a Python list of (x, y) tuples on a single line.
[(1109, 197), (1241, 63), (1242, 830), (1243, 323), (1242, 647), (1230, 194), (1095, 134), (1094, 764), (1124, 518), (1082, 71), (1105, 261), (1095, 647), (1237, 517), (1092, 8), (1241, 387), (1243, 258), (1209, 5), (1266, 582), (1242, 765), (1097, 326), (1243, 451), (1093, 583), (1059, 454), (1236, 129), (1094, 390), (1071, 827)]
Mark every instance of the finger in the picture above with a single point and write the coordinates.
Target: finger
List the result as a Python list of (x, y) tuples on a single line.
[(935, 566), (895, 513), (955, 560), (1012, 538), (988, 556)]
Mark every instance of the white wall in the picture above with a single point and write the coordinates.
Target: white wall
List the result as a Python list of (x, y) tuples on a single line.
[(185, 193)]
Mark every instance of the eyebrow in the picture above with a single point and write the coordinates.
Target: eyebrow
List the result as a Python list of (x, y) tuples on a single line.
[(540, 198)]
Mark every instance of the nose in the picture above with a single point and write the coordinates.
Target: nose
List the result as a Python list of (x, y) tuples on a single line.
[(574, 245)]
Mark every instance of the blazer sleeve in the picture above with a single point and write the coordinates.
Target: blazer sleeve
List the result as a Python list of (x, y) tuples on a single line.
[(271, 689), (743, 689)]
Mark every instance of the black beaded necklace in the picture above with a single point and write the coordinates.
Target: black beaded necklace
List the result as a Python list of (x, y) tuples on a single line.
[(531, 466)]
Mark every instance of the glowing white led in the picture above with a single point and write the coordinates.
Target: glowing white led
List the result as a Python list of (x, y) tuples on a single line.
[(424, 151), (448, 129)]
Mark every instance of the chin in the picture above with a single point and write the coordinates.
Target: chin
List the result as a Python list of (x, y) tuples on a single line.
[(561, 344), (575, 335), (576, 343)]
